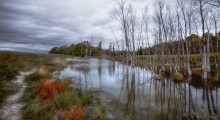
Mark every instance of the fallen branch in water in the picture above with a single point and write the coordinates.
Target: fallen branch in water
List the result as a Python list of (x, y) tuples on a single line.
[(146, 81)]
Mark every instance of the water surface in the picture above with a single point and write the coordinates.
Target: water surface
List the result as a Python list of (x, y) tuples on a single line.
[(132, 92)]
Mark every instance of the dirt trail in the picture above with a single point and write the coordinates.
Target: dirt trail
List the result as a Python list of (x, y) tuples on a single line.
[(11, 108)]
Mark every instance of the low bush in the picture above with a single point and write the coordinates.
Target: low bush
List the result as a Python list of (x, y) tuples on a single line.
[(7, 73), (216, 78), (87, 98), (47, 89), (178, 77)]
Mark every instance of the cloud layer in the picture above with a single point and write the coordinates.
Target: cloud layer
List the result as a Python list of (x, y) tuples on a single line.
[(38, 25)]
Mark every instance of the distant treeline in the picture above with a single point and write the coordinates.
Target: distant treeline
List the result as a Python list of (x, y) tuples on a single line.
[(82, 49), (178, 47), (172, 47)]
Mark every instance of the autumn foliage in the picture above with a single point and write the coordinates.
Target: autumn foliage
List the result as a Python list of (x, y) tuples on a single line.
[(47, 89), (197, 71)]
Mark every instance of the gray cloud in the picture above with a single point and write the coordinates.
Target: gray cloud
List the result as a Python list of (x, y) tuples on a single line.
[(38, 25)]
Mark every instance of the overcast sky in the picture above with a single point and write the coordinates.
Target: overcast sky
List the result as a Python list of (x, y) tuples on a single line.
[(39, 25)]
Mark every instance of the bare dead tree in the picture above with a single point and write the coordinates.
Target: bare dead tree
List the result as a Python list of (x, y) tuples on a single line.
[(91, 43), (121, 14), (179, 37), (187, 12), (159, 21), (190, 13), (132, 31), (201, 8), (145, 23), (215, 3), (172, 37), (215, 16), (208, 27)]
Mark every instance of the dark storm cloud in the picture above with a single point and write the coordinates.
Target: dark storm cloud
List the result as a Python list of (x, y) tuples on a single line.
[(29, 24), (38, 25), (22, 23)]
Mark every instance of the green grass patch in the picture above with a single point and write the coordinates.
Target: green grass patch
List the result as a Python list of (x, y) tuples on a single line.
[(7, 73), (35, 110), (66, 99), (7, 89), (71, 97), (35, 77), (28, 94), (100, 113)]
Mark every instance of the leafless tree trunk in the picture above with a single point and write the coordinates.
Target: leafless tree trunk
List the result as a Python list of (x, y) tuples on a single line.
[(187, 11), (215, 22), (122, 16), (215, 3), (146, 29), (179, 34), (160, 22), (205, 43), (132, 30), (90, 46)]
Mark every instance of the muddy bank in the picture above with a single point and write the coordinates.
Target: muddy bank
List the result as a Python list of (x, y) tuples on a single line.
[(10, 110)]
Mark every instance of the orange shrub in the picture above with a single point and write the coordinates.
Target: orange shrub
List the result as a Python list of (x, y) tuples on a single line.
[(59, 86), (48, 88), (197, 71)]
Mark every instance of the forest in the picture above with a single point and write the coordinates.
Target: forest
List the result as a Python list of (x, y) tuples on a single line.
[(82, 49)]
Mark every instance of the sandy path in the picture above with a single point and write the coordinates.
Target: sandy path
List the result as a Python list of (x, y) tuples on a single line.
[(11, 108)]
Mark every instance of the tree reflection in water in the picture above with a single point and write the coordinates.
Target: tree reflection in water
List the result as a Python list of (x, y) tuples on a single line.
[(132, 92)]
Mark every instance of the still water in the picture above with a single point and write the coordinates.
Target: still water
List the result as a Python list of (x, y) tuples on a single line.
[(132, 93)]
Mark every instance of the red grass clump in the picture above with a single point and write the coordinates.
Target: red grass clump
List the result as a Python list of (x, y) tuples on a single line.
[(76, 113), (48, 88)]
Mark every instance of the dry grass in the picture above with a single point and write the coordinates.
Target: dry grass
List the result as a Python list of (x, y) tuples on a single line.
[(74, 113), (13, 62), (43, 70), (60, 62), (51, 96)]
